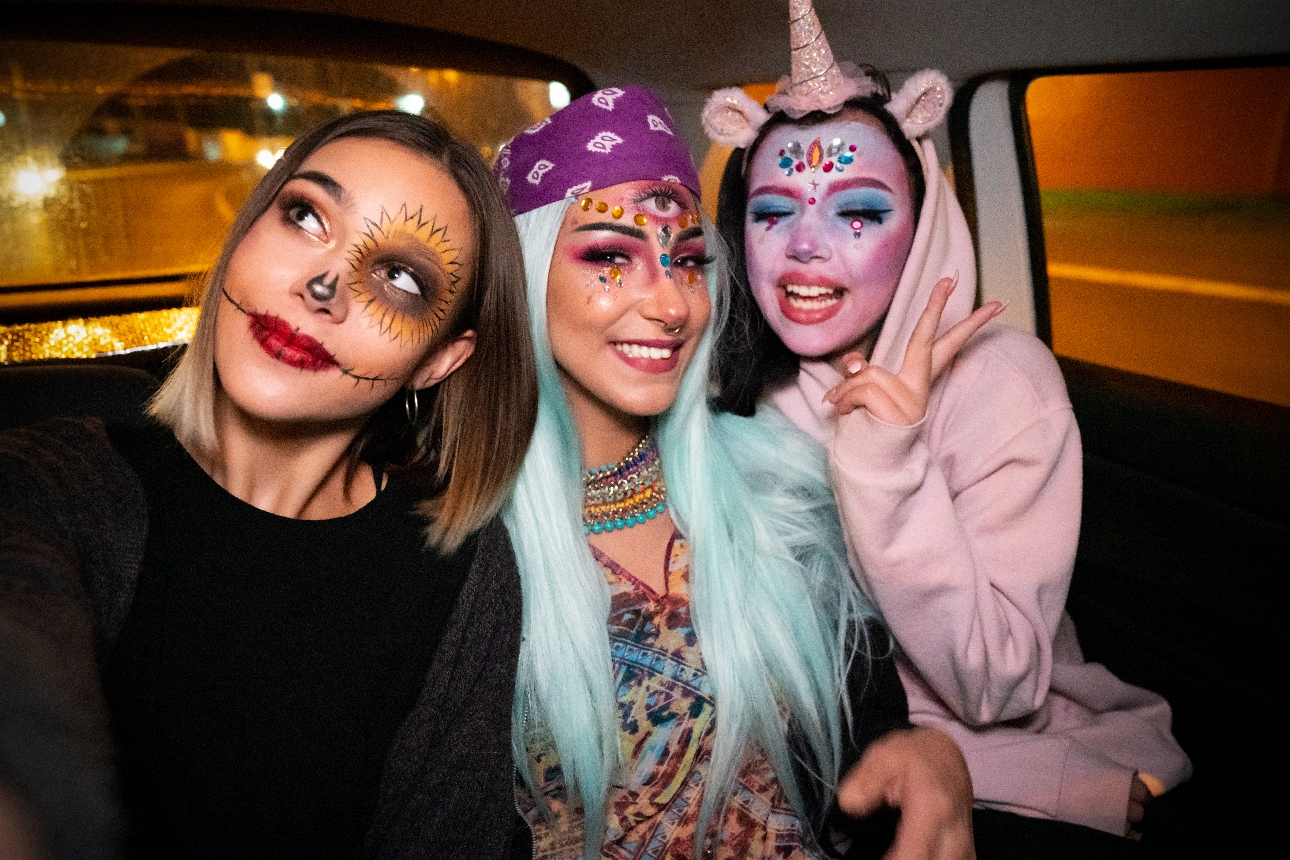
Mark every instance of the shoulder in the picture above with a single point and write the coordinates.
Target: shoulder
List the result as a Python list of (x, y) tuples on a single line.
[(1002, 356), (64, 458), (1003, 381)]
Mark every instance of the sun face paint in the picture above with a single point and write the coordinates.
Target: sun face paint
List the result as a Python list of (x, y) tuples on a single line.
[(404, 275)]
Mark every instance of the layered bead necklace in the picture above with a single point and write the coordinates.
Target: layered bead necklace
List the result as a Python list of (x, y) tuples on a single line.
[(626, 493)]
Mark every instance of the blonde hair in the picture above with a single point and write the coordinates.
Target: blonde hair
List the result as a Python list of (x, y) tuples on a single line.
[(474, 427)]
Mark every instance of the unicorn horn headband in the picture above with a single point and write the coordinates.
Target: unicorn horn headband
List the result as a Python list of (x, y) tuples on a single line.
[(819, 83)]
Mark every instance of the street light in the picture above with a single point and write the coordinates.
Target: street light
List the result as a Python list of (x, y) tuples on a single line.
[(410, 103)]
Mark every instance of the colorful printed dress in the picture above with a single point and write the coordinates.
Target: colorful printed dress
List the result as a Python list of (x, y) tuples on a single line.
[(667, 720)]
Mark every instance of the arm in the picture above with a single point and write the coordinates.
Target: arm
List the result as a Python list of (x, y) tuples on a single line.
[(63, 510), (918, 771), (964, 526)]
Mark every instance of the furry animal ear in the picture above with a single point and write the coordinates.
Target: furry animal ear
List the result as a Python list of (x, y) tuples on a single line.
[(922, 103), (731, 118)]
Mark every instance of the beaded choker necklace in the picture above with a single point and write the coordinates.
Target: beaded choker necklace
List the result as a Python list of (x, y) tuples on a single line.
[(626, 493)]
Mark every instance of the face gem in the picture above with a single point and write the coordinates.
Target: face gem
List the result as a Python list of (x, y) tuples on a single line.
[(835, 146), (640, 220), (665, 237), (814, 155), (795, 150)]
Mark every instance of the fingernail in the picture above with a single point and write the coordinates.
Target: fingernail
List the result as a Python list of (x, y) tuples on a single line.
[(855, 365), (1003, 306)]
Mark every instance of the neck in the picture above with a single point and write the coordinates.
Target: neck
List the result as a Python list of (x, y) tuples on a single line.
[(606, 434), (864, 346), (286, 470)]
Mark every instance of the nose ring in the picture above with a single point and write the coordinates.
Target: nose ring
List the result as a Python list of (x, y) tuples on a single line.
[(322, 289), (676, 329)]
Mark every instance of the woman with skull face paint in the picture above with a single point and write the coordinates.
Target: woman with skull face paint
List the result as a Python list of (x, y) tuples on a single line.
[(304, 610), (953, 449), (699, 670)]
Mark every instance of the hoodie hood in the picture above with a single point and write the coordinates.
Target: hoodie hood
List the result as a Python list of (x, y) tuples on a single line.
[(942, 248)]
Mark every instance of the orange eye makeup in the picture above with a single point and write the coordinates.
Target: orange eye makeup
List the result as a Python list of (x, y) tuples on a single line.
[(404, 275)]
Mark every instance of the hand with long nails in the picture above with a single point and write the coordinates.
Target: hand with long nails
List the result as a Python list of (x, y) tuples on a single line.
[(901, 398)]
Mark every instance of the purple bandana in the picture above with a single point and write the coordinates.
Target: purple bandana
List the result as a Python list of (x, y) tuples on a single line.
[(602, 139)]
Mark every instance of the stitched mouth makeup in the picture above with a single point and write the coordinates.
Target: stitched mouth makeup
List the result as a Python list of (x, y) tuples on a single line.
[(807, 300), (292, 347), (651, 356)]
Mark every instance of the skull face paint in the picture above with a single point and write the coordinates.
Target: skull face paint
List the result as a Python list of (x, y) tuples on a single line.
[(394, 232)]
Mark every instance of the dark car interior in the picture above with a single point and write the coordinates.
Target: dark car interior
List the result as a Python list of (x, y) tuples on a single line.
[(1180, 579)]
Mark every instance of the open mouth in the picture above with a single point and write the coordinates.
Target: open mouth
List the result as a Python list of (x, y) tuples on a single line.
[(808, 304), (650, 356), (291, 347)]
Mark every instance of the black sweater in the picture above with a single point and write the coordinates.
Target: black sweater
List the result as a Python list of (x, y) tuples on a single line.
[(74, 530)]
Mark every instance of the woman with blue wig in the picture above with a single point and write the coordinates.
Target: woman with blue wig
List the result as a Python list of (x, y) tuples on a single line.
[(699, 674)]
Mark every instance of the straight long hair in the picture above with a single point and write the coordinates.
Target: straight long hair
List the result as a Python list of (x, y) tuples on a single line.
[(473, 427), (776, 610)]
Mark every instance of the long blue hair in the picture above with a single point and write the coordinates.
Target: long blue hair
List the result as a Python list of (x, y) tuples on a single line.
[(776, 610)]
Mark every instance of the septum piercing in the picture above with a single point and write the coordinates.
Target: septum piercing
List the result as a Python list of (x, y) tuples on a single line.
[(676, 329), (321, 289)]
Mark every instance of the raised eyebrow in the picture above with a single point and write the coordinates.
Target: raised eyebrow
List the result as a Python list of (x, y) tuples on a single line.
[(613, 228), (689, 233), (333, 189), (781, 190), (858, 182)]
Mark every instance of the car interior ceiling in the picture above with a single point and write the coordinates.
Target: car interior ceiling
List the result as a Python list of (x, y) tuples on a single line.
[(1180, 577)]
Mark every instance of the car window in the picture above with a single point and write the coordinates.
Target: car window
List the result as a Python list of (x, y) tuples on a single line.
[(1166, 220), (123, 167)]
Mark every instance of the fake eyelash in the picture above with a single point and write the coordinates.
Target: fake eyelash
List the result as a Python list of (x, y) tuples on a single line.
[(665, 191)]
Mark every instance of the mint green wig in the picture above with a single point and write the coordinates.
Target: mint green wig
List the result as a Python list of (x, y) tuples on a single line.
[(776, 610)]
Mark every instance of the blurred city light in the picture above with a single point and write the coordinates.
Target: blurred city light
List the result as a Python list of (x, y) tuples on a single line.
[(266, 159), (276, 102), (32, 182), (410, 103), (2, 119), (558, 93)]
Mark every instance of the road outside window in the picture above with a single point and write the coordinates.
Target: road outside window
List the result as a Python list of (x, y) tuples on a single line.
[(1166, 214), (121, 168)]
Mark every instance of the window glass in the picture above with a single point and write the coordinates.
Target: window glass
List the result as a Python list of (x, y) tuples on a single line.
[(121, 168), (1166, 213)]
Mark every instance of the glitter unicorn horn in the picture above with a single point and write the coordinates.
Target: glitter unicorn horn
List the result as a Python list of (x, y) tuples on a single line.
[(817, 83)]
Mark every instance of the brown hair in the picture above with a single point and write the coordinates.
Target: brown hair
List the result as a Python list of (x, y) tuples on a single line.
[(473, 428)]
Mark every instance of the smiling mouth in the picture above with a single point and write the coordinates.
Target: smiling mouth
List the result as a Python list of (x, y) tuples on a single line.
[(809, 297), (288, 345), (650, 356), (809, 304), (636, 350)]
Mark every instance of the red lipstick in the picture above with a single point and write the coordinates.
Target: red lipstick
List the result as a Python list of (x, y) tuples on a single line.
[(289, 346), (809, 299)]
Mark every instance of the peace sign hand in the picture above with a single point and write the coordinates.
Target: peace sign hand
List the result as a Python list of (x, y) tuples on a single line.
[(901, 398)]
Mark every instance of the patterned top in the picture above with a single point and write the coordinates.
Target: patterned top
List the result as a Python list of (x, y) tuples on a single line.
[(667, 721)]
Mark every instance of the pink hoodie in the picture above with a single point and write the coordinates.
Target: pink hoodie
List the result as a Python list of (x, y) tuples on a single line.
[(962, 529)]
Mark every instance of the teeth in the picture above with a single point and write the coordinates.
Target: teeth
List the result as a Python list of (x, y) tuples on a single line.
[(807, 291), (635, 350), (809, 297)]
